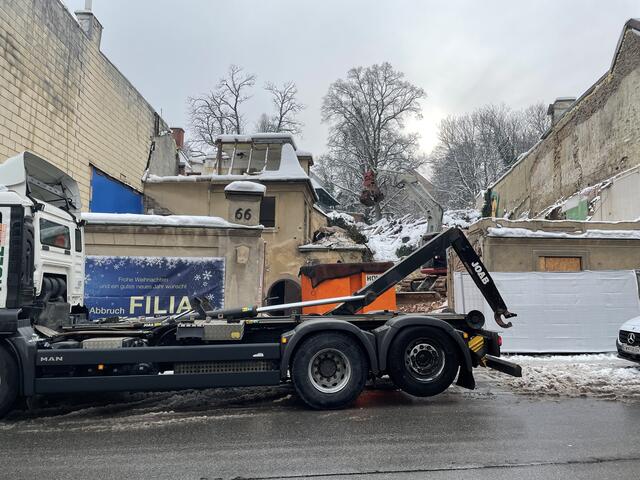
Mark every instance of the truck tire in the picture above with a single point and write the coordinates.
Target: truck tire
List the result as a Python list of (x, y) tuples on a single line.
[(329, 370), (423, 361), (8, 382)]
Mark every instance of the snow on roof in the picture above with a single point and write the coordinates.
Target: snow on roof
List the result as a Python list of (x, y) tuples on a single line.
[(256, 137), (290, 167), (512, 232), (269, 135), (303, 153), (315, 207), (95, 218), (246, 187), (289, 170), (233, 138)]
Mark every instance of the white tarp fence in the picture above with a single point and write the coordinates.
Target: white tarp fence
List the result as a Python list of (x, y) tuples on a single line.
[(557, 311)]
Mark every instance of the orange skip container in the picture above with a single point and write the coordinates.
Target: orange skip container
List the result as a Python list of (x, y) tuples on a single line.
[(328, 280)]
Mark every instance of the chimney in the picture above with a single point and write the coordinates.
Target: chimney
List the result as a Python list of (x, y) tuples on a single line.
[(559, 107), (89, 23), (178, 136)]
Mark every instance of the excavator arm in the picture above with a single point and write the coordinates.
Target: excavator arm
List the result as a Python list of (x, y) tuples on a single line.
[(452, 237)]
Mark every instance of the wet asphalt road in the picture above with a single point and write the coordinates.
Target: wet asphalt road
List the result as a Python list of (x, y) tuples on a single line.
[(267, 433)]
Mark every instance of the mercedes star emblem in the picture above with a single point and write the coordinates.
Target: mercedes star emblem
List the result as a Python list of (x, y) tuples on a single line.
[(631, 339)]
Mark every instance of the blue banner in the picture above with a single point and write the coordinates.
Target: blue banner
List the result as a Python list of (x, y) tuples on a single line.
[(141, 286)]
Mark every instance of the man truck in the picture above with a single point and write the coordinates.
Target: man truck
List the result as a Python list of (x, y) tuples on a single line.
[(48, 346)]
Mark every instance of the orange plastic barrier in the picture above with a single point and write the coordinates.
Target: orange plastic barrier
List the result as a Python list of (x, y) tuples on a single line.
[(343, 279)]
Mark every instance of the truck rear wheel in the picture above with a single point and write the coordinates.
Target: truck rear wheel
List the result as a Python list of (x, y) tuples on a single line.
[(423, 361), (8, 382), (329, 370)]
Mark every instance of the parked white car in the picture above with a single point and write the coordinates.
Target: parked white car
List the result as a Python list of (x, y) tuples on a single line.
[(628, 342)]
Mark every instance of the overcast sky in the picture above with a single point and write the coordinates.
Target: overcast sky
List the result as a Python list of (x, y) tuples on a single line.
[(463, 53)]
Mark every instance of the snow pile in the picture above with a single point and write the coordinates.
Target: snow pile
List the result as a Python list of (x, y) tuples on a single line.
[(386, 236), (245, 187), (289, 168), (526, 233), (343, 216), (117, 412), (95, 218), (334, 238), (460, 218), (598, 375)]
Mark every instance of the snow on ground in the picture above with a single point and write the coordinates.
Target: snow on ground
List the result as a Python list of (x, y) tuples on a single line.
[(462, 218), (141, 411), (344, 216), (600, 376), (594, 375), (386, 236)]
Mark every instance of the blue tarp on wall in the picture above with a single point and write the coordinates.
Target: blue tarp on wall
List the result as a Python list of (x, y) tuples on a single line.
[(135, 286), (110, 196)]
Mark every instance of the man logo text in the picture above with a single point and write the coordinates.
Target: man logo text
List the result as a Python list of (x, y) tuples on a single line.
[(51, 358)]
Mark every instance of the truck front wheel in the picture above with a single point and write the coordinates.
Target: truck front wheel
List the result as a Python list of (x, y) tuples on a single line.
[(329, 370), (8, 382), (423, 361)]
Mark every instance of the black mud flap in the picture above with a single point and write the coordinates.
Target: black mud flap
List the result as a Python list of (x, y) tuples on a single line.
[(465, 379)]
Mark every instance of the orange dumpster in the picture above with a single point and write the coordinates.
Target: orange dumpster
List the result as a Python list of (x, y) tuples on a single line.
[(328, 280)]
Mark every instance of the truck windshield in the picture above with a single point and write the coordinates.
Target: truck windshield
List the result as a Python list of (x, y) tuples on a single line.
[(54, 234)]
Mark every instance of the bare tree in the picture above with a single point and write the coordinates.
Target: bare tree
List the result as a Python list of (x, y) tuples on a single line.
[(219, 111), (368, 148), (537, 119), (235, 84), (264, 124), (287, 107), (476, 148)]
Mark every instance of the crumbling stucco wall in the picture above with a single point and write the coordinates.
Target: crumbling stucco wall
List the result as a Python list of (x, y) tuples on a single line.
[(62, 99), (598, 138)]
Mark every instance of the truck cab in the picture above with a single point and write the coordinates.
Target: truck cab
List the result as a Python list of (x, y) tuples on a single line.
[(41, 242)]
